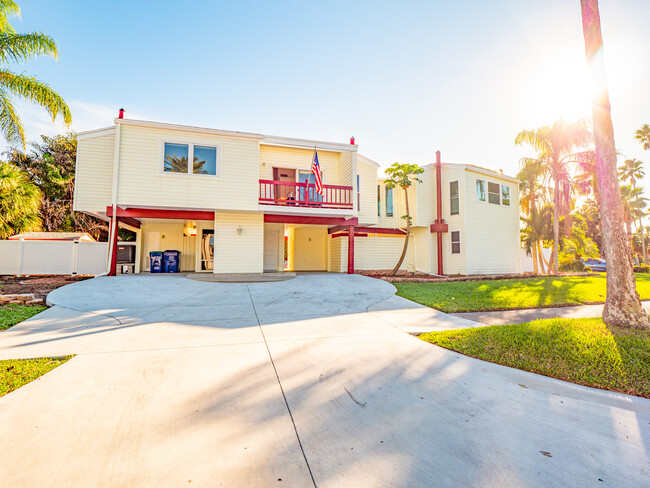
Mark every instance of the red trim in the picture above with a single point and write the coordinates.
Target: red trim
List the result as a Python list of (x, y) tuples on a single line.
[(439, 228), (367, 230), (289, 193), (153, 213), (113, 270), (351, 249), (344, 234), (303, 219), (130, 221)]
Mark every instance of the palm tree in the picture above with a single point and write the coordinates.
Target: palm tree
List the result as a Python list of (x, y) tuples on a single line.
[(643, 136), (403, 175), (531, 192), (16, 48), (556, 151), (20, 200), (622, 304), (632, 170), (178, 164), (633, 207)]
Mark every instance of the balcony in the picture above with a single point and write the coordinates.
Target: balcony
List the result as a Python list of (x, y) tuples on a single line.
[(292, 194)]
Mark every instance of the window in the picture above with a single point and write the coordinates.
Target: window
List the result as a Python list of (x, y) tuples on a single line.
[(176, 156), (480, 190), (389, 202), (505, 194), (454, 200), (494, 193), (358, 193), (455, 242), (378, 200)]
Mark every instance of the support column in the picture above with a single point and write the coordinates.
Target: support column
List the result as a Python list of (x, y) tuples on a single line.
[(351, 249), (113, 270)]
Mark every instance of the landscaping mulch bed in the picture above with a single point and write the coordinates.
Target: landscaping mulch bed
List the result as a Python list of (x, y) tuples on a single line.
[(39, 286)]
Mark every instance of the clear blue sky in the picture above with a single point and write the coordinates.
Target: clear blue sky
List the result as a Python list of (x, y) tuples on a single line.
[(405, 78)]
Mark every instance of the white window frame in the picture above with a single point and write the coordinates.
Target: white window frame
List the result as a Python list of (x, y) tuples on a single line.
[(458, 183), (451, 242), (488, 193), (484, 191), (509, 195), (190, 158)]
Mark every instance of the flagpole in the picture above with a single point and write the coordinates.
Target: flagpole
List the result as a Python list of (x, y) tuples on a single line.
[(311, 170)]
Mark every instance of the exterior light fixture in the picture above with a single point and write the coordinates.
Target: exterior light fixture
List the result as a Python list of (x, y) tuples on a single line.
[(239, 230)]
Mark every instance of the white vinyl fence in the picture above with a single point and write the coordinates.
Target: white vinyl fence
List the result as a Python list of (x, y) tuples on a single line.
[(527, 261), (52, 257)]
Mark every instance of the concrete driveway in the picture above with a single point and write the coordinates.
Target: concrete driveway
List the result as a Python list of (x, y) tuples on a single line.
[(307, 382)]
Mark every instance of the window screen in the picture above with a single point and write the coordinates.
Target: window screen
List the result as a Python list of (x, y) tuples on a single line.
[(454, 200), (455, 242), (494, 193)]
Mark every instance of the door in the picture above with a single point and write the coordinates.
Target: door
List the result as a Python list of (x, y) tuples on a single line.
[(271, 250), (284, 175), (151, 242)]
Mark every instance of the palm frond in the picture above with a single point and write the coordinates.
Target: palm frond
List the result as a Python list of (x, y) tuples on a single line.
[(37, 92), (8, 8), (20, 47), (10, 123)]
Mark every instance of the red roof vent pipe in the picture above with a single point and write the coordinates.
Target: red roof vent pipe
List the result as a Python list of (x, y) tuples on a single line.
[(352, 140), (121, 114)]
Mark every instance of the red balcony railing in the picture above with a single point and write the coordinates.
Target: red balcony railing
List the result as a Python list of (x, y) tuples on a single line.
[(302, 195)]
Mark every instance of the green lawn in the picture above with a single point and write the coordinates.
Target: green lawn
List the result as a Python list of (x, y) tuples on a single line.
[(582, 351), (15, 373), (11, 315), (476, 296)]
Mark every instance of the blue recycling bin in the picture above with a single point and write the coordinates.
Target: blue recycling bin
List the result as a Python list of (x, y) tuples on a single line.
[(156, 262), (171, 261)]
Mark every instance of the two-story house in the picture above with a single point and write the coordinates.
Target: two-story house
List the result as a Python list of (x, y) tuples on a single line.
[(237, 202)]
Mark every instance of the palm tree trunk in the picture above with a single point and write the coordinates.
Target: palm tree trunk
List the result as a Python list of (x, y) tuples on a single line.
[(533, 252), (546, 266), (408, 234), (540, 256), (556, 226), (622, 305), (640, 227)]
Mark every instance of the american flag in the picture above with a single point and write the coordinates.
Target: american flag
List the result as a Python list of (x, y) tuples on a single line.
[(315, 168)]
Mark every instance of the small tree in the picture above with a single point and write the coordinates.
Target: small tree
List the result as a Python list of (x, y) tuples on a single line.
[(403, 175), (20, 200)]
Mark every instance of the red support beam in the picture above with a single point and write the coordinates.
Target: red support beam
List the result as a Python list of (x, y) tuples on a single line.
[(439, 226), (304, 219), (351, 249), (155, 213), (345, 234), (130, 221), (113, 270)]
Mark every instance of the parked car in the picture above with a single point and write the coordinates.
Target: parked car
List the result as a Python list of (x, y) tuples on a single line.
[(598, 265)]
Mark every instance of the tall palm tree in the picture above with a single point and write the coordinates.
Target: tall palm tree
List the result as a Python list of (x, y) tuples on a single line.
[(531, 192), (633, 207), (20, 200), (622, 303), (16, 48), (643, 136), (632, 170), (556, 148)]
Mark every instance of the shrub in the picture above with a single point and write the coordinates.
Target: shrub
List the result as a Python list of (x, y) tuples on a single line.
[(575, 266), (641, 269)]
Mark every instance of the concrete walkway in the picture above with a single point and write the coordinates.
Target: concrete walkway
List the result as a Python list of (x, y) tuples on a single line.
[(529, 314), (306, 382)]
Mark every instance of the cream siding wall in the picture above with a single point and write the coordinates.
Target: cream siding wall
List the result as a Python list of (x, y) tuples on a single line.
[(492, 243), (422, 249), (371, 253), (453, 263), (425, 197), (367, 212), (94, 173), (143, 183), (299, 159), (346, 175), (235, 252)]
